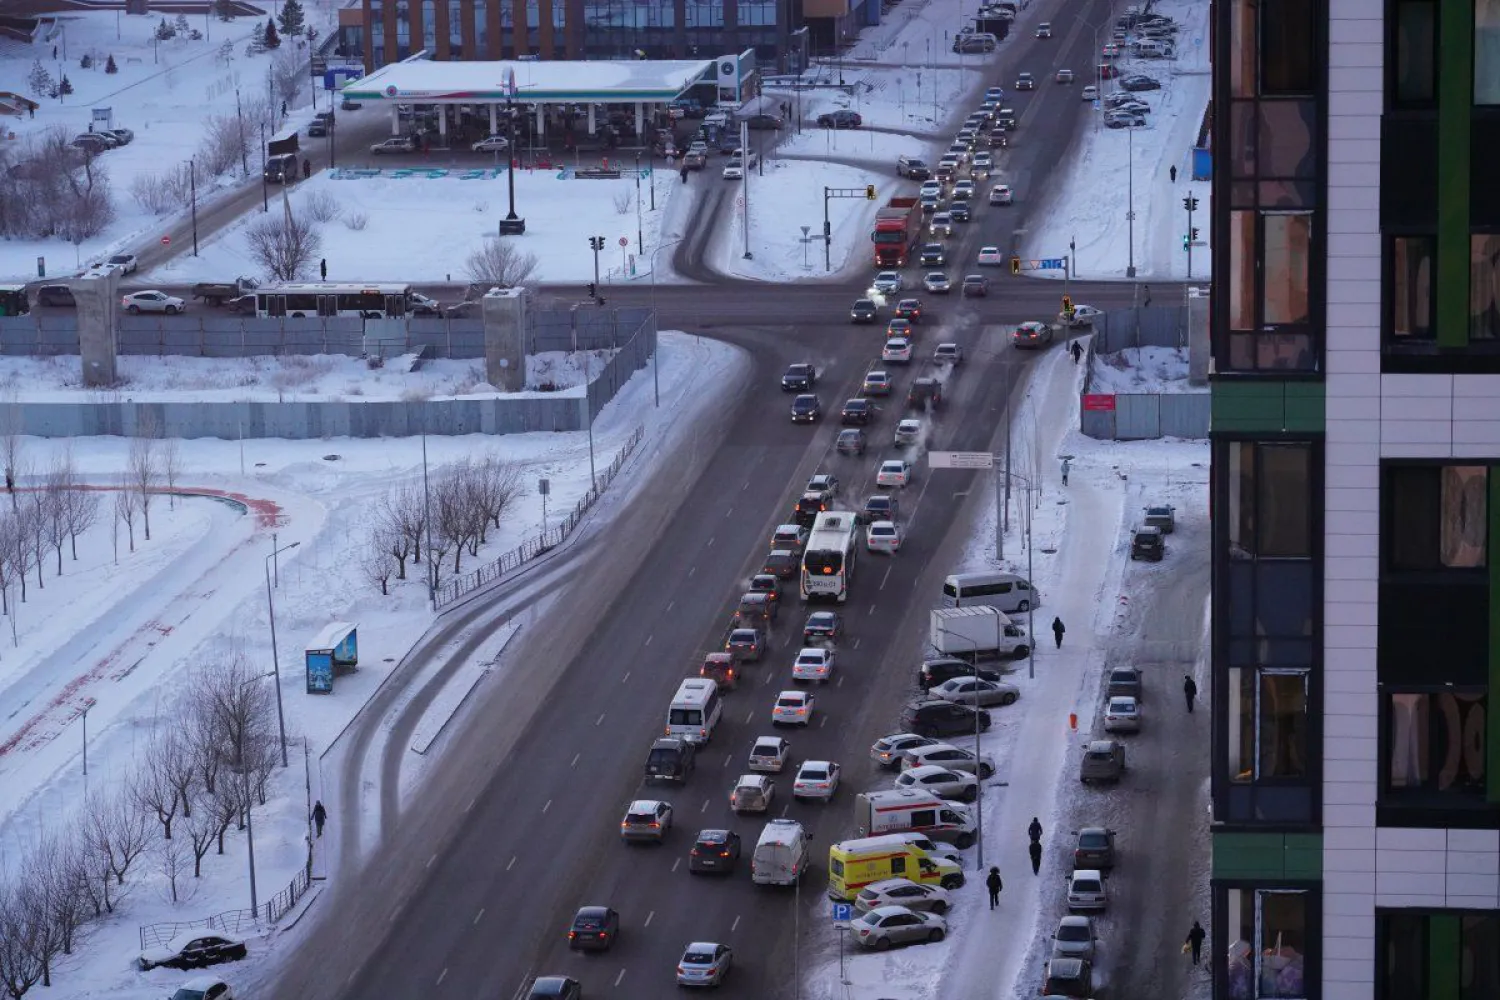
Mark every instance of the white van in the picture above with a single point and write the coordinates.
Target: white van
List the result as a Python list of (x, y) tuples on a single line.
[(695, 710), (1002, 591), (909, 810), (780, 856)]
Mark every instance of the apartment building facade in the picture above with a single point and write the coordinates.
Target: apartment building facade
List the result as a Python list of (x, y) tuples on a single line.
[(1356, 500)]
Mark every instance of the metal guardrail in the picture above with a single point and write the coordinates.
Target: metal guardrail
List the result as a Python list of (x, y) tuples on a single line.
[(235, 922), (546, 541)]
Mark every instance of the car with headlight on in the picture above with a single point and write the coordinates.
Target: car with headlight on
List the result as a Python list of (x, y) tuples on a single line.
[(646, 819), (816, 779), (806, 409), (991, 257), (909, 310), (889, 750), (941, 224), (899, 327), (936, 283), (823, 626), (856, 412), (933, 255), (863, 311), (887, 282), (793, 708), (894, 472), (813, 663), (1031, 335)]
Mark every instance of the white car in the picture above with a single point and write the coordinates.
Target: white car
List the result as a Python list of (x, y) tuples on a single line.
[(151, 302), (1074, 938), (937, 283), (1086, 890), (1091, 93), (1001, 194), (894, 472), (941, 224), (1085, 315), (813, 663), (930, 189), (959, 151), (908, 432), (887, 925), (734, 170), (883, 536), (204, 988), (963, 190), (897, 351), (1122, 715), (816, 779), (983, 161), (991, 257), (949, 756), (887, 282), (943, 782), (491, 144), (976, 691), (793, 708), (902, 892), (125, 263), (769, 754), (752, 793)]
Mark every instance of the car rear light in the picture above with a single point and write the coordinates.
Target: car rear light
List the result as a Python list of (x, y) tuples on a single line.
[(572, 935)]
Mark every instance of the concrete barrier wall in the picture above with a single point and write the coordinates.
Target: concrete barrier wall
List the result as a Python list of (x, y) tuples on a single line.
[(632, 331), (1139, 416)]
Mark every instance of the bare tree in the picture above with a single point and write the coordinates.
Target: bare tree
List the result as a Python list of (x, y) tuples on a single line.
[(171, 862), (500, 264), (82, 511), (207, 740), (388, 535), (126, 508), (201, 829), (285, 247), (404, 515), (287, 73), (7, 562), (51, 863), (236, 707), (34, 522), (228, 805), (377, 563), (453, 514), (20, 968), (154, 792), (53, 506), (19, 552), (144, 464), (171, 468), (11, 443), (120, 830), (499, 486)]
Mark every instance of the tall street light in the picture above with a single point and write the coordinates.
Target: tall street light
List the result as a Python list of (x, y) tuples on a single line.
[(512, 224), (245, 790), (656, 323), (978, 757), (275, 659), (1130, 198)]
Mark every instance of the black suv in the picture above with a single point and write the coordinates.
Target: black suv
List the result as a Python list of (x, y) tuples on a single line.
[(806, 409), (925, 392), (933, 255), (942, 718), (799, 378), (856, 411), (670, 759), (960, 211), (714, 851), (59, 296), (934, 672), (1147, 543)]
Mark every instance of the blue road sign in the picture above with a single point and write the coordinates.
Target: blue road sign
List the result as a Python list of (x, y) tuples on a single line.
[(842, 912), (1055, 263)]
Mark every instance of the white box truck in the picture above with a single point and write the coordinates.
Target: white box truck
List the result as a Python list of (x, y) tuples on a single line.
[(979, 632), (903, 810)]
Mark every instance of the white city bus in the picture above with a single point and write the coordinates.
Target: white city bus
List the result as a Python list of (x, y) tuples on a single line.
[(360, 300), (828, 560)]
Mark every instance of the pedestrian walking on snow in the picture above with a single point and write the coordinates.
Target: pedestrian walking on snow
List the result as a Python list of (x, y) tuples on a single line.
[(1036, 857), (306, 168), (684, 175), (1077, 351), (1057, 631), (1189, 690), (319, 817), (994, 885), (1034, 831), (1194, 941), (323, 268), (1173, 174), (1067, 464)]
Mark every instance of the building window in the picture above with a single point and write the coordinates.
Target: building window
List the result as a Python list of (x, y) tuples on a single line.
[(1414, 71), (1267, 725), (1413, 265), (1288, 36), (1487, 51), (1484, 286), (1479, 956), (1287, 242), (1412, 944), (1268, 934), (1270, 498), (1434, 744), (1437, 517)]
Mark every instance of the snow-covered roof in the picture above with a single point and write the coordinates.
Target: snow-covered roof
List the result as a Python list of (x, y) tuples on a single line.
[(330, 636), (428, 82)]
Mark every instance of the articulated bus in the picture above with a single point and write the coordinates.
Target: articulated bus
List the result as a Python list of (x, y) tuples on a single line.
[(367, 300), (828, 561)]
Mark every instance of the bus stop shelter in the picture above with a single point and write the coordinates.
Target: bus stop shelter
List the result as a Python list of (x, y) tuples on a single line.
[(641, 82)]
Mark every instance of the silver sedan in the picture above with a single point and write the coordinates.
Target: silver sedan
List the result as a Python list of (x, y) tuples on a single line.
[(976, 691)]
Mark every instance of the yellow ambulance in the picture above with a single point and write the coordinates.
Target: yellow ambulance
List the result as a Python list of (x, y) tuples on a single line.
[(854, 864)]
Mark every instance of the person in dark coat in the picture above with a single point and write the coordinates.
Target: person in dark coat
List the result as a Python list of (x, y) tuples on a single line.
[(1036, 857), (1189, 690), (1034, 831), (323, 268), (319, 816), (1173, 174), (1194, 941), (1057, 631), (684, 173), (994, 885), (1077, 351)]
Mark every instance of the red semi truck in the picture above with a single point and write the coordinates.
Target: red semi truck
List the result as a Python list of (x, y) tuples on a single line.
[(897, 227)]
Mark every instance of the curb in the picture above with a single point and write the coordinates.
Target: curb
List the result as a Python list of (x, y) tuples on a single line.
[(469, 693)]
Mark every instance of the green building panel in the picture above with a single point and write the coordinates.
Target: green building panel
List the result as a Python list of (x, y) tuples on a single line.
[(1267, 407), (1268, 856)]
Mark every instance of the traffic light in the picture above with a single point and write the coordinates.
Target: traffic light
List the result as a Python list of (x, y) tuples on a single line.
[(1015, 265), (1185, 239), (593, 293), (1190, 203), (597, 243), (1194, 234), (1068, 304), (869, 192)]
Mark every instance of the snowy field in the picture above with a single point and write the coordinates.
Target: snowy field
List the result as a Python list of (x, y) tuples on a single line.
[(1143, 369), (1070, 529), (123, 633), (421, 229), (164, 91), (297, 378), (1089, 206)]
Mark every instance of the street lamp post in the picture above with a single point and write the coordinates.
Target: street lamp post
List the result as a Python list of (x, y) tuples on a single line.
[(193, 183), (245, 791), (1130, 198), (656, 323), (640, 239), (265, 195), (275, 659), (978, 757)]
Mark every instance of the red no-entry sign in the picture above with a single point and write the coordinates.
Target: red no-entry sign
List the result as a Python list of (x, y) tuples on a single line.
[(166, 241)]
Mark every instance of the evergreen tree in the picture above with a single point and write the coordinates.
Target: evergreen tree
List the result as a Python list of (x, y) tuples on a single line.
[(40, 80), (292, 18), (109, 65), (164, 31), (181, 24), (66, 87), (87, 62), (225, 9), (272, 40)]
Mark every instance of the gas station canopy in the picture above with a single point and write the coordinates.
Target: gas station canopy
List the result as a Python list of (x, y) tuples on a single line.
[(536, 82)]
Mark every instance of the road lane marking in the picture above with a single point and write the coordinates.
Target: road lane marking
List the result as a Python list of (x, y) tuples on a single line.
[(676, 863), (765, 681), (786, 808), (882, 580), (751, 717), (691, 571), (670, 604), (649, 638), (620, 977), (871, 611), (710, 542), (441, 976), (512, 864), (600, 720), (705, 806), (854, 644), (734, 926), (431, 860), (729, 512), (471, 803), (728, 759), (822, 721), (546, 807), (840, 682), (649, 916), (478, 916), (626, 677), (575, 760), (745, 487)]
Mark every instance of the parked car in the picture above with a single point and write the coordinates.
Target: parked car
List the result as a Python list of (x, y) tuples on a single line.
[(1103, 760), (941, 781), (204, 988), (192, 950), (1148, 544), (491, 144), (888, 751), (1122, 715), (399, 144), (151, 301), (843, 118), (58, 296), (885, 926), (1162, 516), (1125, 681), (1095, 848), (1074, 938), (941, 669), (902, 892)]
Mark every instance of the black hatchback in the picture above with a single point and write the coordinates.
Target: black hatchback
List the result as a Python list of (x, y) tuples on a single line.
[(936, 671), (714, 851), (936, 718), (594, 928)]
